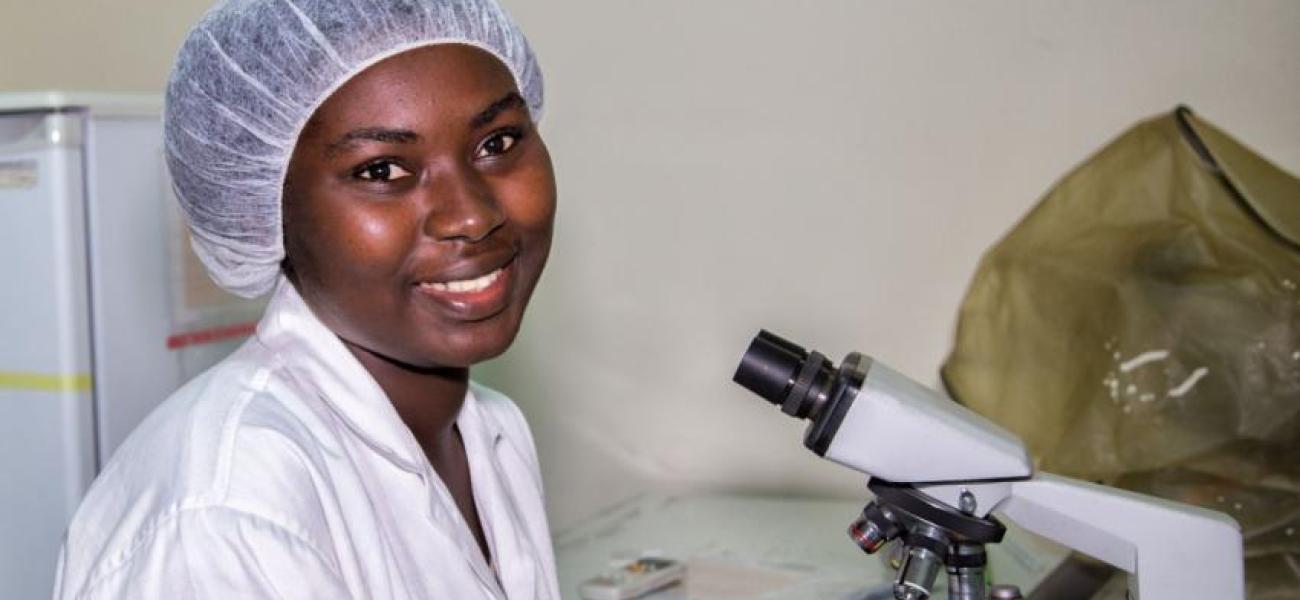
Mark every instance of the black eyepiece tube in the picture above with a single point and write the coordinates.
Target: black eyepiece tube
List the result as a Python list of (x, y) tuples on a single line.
[(804, 384), (770, 366)]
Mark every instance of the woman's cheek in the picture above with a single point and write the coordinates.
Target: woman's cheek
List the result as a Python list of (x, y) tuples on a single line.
[(375, 239), (533, 199)]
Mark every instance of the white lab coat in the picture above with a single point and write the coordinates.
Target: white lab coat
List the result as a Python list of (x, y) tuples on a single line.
[(284, 472)]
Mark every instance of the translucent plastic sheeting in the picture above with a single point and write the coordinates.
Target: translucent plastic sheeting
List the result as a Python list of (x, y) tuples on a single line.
[(1141, 327)]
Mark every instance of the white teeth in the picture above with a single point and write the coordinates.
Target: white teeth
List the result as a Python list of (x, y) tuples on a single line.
[(466, 286)]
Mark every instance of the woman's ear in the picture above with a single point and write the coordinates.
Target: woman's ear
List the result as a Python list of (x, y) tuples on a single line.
[(286, 264)]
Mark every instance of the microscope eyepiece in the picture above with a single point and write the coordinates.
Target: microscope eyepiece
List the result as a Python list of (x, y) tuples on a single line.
[(770, 366), (803, 384), (783, 373)]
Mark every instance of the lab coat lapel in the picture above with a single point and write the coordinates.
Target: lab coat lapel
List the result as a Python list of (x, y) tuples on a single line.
[(455, 531), (493, 472)]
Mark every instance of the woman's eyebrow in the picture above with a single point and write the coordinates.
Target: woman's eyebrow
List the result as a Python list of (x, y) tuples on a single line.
[(374, 134), (487, 115)]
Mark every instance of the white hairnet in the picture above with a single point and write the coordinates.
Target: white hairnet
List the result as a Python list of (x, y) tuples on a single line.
[(249, 76)]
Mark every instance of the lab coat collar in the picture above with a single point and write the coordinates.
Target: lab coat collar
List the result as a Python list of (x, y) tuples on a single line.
[(481, 444), (513, 553), (312, 352)]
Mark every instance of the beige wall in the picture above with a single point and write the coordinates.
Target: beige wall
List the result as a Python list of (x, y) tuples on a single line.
[(830, 172), (96, 45)]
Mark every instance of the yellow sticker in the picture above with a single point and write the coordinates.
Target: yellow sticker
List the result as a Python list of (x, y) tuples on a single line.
[(41, 382)]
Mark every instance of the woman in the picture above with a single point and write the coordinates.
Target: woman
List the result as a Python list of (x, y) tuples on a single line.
[(378, 167)]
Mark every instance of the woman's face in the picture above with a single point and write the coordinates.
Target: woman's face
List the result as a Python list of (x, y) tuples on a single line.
[(418, 208)]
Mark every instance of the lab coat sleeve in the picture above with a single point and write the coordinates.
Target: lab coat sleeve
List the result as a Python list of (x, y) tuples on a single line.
[(218, 553)]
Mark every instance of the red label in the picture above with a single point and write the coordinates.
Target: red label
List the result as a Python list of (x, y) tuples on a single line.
[(210, 335)]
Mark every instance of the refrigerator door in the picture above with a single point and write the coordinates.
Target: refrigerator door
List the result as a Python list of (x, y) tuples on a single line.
[(47, 437), (158, 320), (133, 369), (104, 309)]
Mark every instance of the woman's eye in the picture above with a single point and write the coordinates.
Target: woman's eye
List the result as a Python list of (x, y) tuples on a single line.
[(498, 144), (385, 170)]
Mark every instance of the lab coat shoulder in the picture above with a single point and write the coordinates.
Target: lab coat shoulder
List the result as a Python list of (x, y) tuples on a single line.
[(214, 489)]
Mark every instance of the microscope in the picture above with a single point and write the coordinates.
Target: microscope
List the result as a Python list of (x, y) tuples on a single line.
[(939, 471)]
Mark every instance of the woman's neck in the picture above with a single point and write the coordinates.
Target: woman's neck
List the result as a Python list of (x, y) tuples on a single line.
[(427, 399)]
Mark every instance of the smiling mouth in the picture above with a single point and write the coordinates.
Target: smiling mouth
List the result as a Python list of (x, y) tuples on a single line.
[(464, 286), (470, 299)]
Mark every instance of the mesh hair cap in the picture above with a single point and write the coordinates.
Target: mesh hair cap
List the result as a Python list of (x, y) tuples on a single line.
[(250, 75)]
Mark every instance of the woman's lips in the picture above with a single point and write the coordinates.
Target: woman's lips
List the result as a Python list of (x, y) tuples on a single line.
[(471, 299)]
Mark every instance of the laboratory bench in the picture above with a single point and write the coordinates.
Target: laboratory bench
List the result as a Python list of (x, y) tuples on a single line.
[(739, 547)]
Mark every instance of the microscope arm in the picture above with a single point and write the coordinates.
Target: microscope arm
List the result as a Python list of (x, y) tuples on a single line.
[(1172, 551)]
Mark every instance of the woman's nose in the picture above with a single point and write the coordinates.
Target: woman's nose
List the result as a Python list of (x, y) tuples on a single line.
[(461, 205)]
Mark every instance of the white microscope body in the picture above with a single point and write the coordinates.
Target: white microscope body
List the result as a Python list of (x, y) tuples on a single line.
[(938, 470)]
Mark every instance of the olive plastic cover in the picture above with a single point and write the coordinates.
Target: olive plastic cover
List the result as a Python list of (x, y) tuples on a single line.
[(1141, 327)]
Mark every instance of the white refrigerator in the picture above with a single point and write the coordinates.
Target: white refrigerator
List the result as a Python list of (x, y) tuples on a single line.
[(104, 309)]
